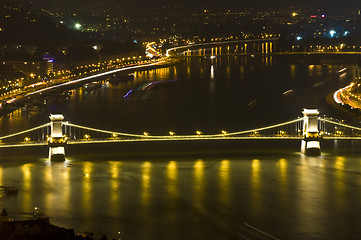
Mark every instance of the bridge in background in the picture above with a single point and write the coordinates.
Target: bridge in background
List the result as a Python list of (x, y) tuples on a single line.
[(309, 129)]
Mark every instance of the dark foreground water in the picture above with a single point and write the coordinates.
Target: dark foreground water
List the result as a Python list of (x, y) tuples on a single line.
[(290, 197), (214, 190)]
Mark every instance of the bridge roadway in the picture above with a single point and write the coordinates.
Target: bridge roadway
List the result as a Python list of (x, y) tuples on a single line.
[(100, 141), (145, 139), (95, 76)]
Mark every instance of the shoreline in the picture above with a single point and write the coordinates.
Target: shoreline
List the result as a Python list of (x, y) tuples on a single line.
[(346, 109), (63, 86), (77, 83)]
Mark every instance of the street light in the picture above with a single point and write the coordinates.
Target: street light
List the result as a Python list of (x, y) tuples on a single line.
[(77, 26)]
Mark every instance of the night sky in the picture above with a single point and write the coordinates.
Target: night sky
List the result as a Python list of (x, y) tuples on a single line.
[(123, 5), (257, 4), (242, 3)]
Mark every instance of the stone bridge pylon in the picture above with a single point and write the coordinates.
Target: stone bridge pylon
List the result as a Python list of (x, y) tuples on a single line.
[(56, 140), (310, 144)]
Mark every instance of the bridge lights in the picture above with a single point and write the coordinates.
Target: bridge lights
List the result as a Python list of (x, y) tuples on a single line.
[(146, 134), (27, 139), (86, 136), (114, 135), (282, 133), (255, 133), (199, 133), (224, 132), (77, 26), (171, 133), (338, 132)]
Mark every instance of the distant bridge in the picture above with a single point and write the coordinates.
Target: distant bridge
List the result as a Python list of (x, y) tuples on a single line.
[(304, 54), (172, 52), (309, 129)]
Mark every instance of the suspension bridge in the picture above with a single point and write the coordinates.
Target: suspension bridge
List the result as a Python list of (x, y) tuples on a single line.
[(309, 129)]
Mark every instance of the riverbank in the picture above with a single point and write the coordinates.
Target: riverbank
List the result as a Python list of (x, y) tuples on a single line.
[(34, 229), (351, 113), (66, 85)]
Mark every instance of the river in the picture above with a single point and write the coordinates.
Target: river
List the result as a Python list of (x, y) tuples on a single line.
[(135, 191)]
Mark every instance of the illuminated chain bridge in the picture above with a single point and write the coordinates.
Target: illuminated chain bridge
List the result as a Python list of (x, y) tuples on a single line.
[(309, 129)]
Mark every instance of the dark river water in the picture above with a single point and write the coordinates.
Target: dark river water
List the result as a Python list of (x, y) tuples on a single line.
[(209, 190)]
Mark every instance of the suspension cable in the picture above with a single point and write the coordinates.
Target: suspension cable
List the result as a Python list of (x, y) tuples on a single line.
[(339, 124), (100, 130), (26, 131), (265, 128), (184, 136)]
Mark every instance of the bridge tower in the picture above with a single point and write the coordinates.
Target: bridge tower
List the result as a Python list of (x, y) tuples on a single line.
[(310, 144), (57, 140)]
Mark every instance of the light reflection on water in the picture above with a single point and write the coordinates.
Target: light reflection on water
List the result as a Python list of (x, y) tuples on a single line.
[(198, 185), (224, 181), (65, 182), (302, 186), (48, 179), (146, 184), (115, 181), (27, 186), (256, 186), (1, 176), (340, 183), (172, 182), (87, 187)]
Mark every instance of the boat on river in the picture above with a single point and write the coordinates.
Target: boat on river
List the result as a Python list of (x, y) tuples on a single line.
[(91, 86), (10, 190), (39, 214), (121, 78)]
